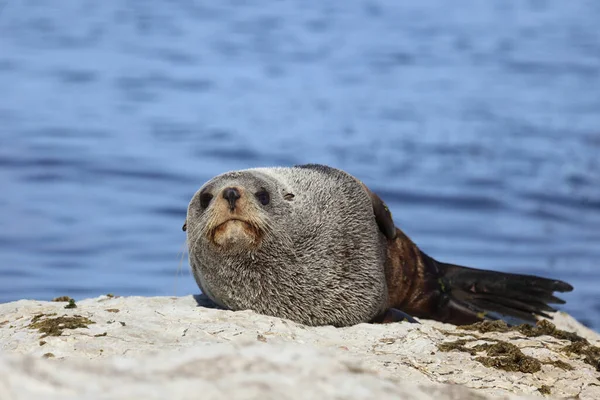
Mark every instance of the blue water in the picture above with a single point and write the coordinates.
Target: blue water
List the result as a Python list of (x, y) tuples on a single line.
[(478, 123)]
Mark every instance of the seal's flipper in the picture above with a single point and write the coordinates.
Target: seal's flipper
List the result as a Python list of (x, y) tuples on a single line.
[(426, 288), (476, 293), (393, 315)]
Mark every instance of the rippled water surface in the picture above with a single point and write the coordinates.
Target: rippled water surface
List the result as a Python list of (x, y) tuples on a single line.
[(478, 122)]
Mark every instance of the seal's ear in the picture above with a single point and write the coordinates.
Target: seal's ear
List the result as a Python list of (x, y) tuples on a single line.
[(184, 227), (383, 216)]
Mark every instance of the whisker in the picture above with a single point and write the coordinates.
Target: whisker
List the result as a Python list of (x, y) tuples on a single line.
[(181, 255), (197, 231)]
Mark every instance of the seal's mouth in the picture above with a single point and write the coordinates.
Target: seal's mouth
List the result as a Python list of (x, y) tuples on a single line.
[(231, 220), (236, 232)]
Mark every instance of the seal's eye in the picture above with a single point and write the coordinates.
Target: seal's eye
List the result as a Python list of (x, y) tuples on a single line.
[(263, 197), (205, 199)]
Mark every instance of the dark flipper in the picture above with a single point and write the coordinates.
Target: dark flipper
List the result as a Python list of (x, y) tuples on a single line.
[(393, 315), (468, 295), (426, 288)]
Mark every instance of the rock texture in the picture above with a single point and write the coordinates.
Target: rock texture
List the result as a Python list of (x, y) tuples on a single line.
[(162, 347)]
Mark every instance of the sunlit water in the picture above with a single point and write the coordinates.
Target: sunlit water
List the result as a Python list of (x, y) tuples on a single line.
[(478, 122)]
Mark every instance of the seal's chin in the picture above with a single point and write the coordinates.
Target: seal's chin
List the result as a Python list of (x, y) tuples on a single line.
[(236, 233)]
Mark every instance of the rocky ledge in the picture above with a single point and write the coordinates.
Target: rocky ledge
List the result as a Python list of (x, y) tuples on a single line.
[(164, 347)]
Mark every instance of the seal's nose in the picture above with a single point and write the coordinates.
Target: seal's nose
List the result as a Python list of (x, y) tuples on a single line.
[(231, 194)]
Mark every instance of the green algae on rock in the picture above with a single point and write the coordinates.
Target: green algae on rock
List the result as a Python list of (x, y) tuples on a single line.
[(584, 348), (545, 390), (500, 355), (579, 345), (457, 345), (560, 364), (543, 327), (508, 357), (49, 326), (62, 298), (486, 326), (71, 304)]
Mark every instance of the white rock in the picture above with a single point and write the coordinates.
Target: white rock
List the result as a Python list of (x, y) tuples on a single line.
[(165, 347)]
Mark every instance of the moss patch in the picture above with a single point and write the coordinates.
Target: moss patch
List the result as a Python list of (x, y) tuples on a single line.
[(508, 357), (560, 364), (486, 326), (579, 345), (500, 355), (38, 316), (591, 353), (543, 327), (457, 345), (62, 298), (545, 390), (55, 326), (71, 304)]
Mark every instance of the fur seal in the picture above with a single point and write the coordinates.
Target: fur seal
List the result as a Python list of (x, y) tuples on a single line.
[(313, 244)]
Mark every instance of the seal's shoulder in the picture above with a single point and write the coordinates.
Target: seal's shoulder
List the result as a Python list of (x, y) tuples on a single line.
[(319, 168), (326, 170)]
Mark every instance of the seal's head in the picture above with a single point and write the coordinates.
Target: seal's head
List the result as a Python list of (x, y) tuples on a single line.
[(233, 212)]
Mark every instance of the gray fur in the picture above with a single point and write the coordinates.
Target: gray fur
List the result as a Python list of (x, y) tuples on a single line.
[(321, 261)]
